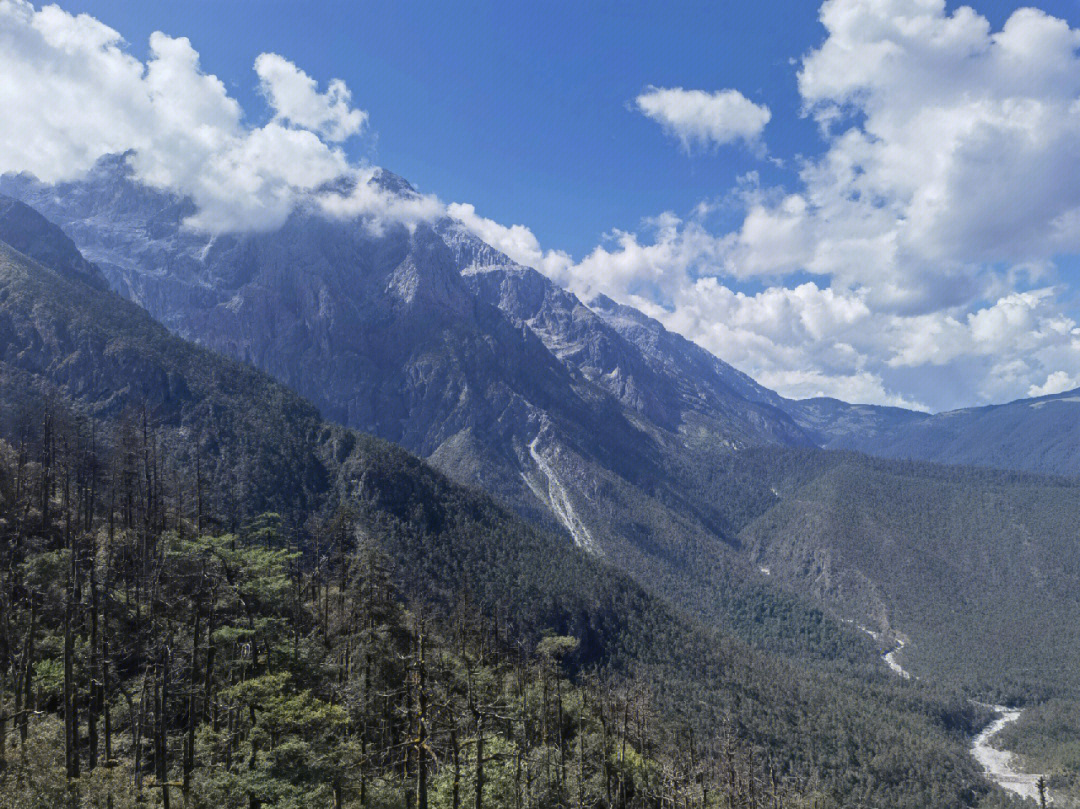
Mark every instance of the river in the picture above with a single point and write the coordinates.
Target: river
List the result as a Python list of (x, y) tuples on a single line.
[(997, 764)]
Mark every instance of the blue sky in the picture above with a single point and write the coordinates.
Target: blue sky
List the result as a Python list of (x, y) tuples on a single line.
[(900, 231), (522, 108)]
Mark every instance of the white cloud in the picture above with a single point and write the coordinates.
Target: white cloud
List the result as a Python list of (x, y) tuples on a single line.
[(1057, 382), (952, 144), (947, 184), (71, 93), (698, 118), (516, 241), (807, 339), (946, 187), (295, 98)]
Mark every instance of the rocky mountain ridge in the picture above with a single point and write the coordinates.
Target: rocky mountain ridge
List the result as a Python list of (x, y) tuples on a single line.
[(429, 338)]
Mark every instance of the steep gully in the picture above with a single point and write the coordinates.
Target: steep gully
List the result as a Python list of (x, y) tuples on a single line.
[(558, 498)]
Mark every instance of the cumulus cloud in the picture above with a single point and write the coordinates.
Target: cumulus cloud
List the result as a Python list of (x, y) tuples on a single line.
[(946, 188), (295, 98), (810, 339), (698, 118), (516, 241), (898, 267), (1057, 382), (949, 144), (71, 93)]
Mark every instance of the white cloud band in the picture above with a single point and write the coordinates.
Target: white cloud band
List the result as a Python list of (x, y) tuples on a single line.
[(71, 94), (698, 118)]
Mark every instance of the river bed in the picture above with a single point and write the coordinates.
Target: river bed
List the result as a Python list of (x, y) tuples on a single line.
[(998, 763)]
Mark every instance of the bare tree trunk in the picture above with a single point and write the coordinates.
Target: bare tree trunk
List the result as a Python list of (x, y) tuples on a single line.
[(71, 757), (479, 780), (456, 762), (189, 747), (162, 731), (96, 696), (421, 720), (28, 672), (581, 753)]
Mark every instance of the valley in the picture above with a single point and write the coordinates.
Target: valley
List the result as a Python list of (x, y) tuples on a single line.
[(266, 468), (998, 763), (647, 500), (692, 423)]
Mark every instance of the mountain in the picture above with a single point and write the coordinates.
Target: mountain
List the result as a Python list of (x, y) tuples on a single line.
[(593, 418), (430, 339), (436, 341), (170, 435), (664, 379), (834, 424), (67, 344), (30, 233), (975, 570), (677, 386), (1040, 434)]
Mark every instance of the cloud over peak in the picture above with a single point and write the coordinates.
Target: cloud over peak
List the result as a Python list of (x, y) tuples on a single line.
[(898, 264), (71, 94), (295, 98), (946, 189), (698, 118)]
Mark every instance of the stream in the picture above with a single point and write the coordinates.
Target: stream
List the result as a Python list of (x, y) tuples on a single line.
[(997, 764)]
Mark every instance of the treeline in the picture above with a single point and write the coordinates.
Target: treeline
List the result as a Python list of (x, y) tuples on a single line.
[(146, 658)]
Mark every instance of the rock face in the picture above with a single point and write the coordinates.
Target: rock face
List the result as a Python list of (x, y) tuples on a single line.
[(591, 418), (432, 339), (665, 379)]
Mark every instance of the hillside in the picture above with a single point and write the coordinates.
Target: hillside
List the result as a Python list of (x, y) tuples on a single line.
[(499, 379), (1031, 435), (974, 569), (218, 443)]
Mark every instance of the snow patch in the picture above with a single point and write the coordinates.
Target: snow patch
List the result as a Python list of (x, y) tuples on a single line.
[(206, 248)]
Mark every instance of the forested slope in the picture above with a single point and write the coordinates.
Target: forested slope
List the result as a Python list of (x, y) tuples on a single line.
[(127, 451), (976, 568), (495, 375)]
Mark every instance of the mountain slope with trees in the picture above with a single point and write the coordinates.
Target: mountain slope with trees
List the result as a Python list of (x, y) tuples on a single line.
[(138, 470), (383, 333), (974, 569), (1029, 435)]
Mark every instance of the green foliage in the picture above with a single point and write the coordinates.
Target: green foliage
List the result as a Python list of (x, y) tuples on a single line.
[(978, 568)]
